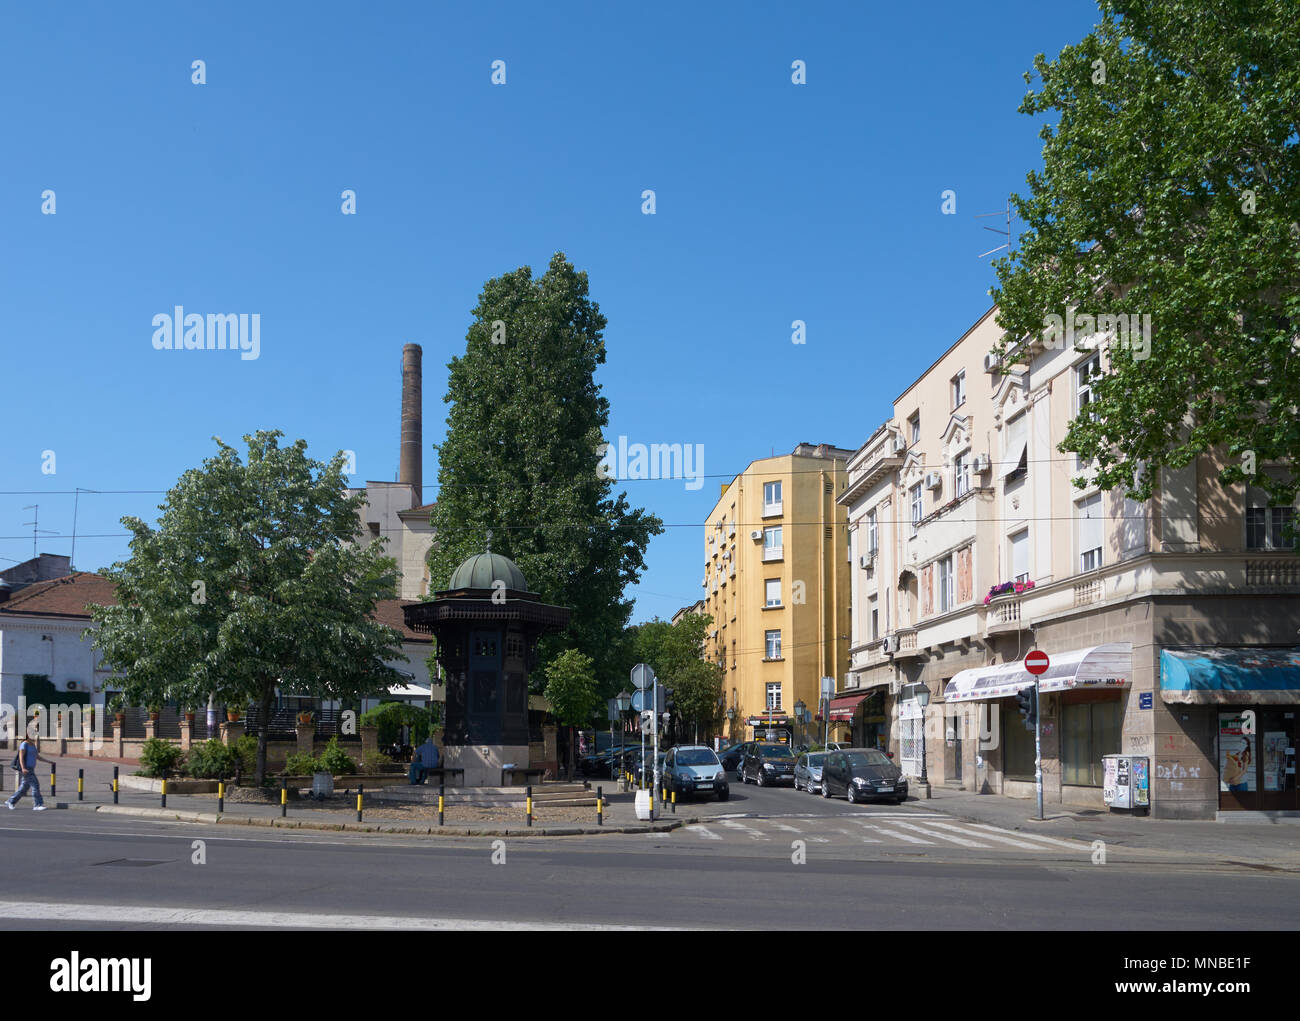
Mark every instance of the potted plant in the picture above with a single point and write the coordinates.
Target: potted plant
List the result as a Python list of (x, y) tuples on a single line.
[(155, 710), (232, 714), (189, 714), (305, 717), (119, 714)]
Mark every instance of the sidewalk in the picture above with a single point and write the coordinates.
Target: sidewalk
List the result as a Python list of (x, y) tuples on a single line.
[(202, 808)]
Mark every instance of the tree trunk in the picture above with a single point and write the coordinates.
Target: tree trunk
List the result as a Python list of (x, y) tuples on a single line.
[(573, 749), (263, 729)]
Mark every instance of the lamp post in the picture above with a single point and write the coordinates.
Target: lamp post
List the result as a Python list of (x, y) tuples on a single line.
[(800, 715), (921, 693)]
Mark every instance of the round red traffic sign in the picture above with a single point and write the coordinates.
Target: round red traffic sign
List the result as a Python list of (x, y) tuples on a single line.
[(1036, 662)]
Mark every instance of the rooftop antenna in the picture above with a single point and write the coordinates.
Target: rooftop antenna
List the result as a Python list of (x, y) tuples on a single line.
[(1006, 233), (72, 560), (36, 531)]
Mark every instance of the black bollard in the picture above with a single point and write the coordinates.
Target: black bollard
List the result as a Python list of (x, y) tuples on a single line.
[(115, 785), (164, 789), (361, 789), (442, 791), (600, 806), (54, 776), (529, 804), (284, 797), (221, 796), (81, 785)]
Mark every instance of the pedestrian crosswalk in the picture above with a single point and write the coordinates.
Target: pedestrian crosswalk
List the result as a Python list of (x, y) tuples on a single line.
[(910, 830)]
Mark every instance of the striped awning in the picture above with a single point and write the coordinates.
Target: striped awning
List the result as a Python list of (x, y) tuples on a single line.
[(845, 706), (1109, 665), (1238, 676)]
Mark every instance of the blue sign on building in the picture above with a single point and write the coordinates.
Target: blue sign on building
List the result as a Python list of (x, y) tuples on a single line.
[(1144, 699)]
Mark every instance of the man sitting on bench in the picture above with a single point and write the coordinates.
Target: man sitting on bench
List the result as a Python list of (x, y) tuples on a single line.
[(424, 759)]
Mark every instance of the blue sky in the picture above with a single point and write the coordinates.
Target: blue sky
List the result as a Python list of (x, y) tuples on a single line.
[(775, 202)]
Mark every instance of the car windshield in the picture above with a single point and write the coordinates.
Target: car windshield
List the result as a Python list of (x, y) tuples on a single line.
[(816, 759), (773, 751), (696, 757), (870, 757)]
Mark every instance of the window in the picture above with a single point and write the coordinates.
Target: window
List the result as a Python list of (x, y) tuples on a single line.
[(1084, 376), (772, 549), (1017, 744), (961, 475), (1088, 732), (875, 619), (915, 493), (959, 389), (1267, 527), (1089, 528), (774, 696), (773, 592), (914, 428), (946, 601), (1015, 449), (773, 644), (1020, 556), (771, 498), (873, 533)]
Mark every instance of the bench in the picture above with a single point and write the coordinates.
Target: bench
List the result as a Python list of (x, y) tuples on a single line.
[(442, 771), (531, 776)]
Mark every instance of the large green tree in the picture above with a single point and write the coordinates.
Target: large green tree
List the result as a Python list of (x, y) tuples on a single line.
[(252, 581), (1171, 188), (571, 689), (675, 653), (521, 454)]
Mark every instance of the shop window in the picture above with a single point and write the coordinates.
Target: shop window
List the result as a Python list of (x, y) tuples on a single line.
[(1017, 745), (1088, 731)]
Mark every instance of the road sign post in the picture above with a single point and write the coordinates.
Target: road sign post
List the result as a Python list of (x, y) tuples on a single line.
[(1036, 663)]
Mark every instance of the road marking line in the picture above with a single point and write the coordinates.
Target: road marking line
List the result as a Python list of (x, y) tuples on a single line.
[(704, 831), (871, 840), (942, 836), (901, 836), (35, 911), (731, 824), (783, 826), (990, 836), (1073, 845)]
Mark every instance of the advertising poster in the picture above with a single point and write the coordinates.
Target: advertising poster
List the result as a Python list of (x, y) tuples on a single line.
[(1273, 751), (1236, 755), (1108, 780), (1141, 784)]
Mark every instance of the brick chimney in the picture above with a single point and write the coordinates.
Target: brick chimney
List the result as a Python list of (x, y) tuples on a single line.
[(410, 470)]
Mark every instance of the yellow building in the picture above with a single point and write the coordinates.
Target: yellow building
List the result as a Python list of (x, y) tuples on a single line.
[(776, 583)]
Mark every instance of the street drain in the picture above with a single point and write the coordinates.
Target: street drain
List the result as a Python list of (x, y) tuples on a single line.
[(133, 861)]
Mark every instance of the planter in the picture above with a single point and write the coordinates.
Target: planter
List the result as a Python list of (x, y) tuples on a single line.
[(305, 718), (153, 716), (119, 718), (232, 717), (189, 717)]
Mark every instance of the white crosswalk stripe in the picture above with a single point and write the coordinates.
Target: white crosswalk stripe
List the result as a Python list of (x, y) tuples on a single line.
[(753, 833), (901, 836), (704, 831), (990, 836), (1073, 845), (934, 832)]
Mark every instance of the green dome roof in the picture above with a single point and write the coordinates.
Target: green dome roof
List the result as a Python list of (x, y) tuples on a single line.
[(483, 569)]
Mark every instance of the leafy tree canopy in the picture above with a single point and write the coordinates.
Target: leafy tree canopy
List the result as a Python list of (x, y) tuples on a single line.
[(521, 454), (251, 581), (1171, 188)]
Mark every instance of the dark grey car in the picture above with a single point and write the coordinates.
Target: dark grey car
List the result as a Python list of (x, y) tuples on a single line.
[(862, 774), (768, 764)]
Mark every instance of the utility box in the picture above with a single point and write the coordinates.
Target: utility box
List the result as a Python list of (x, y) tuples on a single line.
[(1126, 783), (642, 805)]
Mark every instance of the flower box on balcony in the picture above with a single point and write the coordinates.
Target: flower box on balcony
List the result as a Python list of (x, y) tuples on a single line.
[(1007, 588)]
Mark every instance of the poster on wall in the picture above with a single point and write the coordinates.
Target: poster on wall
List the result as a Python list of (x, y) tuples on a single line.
[(1236, 755), (1141, 783), (1273, 750)]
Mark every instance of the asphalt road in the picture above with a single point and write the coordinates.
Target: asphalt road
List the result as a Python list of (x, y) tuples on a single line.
[(774, 859)]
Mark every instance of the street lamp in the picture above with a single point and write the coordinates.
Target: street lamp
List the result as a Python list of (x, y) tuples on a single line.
[(800, 714), (921, 692)]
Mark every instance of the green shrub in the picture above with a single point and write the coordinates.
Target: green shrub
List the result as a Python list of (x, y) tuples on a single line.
[(335, 760), (246, 749), (374, 762), (159, 757), (301, 764), (211, 760), (392, 716)]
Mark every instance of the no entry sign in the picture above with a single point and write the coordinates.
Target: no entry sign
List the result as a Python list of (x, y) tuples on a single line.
[(1036, 662)]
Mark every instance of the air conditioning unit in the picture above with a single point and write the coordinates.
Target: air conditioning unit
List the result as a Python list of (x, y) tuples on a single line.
[(76, 686), (933, 480), (756, 534), (710, 540), (891, 644), (731, 532), (982, 464), (867, 560), (992, 362), (726, 554), (898, 445)]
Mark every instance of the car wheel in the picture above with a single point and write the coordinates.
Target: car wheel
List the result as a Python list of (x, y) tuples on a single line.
[(826, 790), (900, 801), (848, 793), (761, 782)]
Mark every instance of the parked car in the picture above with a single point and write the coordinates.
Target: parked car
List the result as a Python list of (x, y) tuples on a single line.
[(767, 764), (732, 757), (808, 771), (861, 774), (695, 769)]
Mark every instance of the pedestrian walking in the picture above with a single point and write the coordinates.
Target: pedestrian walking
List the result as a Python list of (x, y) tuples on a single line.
[(25, 762)]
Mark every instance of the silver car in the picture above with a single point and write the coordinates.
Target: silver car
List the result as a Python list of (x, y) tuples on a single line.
[(808, 772)]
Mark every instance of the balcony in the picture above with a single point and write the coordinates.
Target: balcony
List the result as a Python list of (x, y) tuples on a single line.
[(773, 510), (773, 553), (907, 647), (1005, 615)]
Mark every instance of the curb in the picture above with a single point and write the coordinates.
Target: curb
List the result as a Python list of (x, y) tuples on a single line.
[(275, 822)]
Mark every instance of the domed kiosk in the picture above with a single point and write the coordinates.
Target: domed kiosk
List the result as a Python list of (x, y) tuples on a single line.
[(486, 624)]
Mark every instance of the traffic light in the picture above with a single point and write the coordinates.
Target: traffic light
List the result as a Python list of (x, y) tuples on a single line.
[(1027, 699)]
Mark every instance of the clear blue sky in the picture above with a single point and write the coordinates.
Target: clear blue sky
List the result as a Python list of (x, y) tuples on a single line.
[(775, 202)]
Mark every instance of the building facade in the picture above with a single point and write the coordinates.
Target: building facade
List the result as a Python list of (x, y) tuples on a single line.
[(1171, 625), (776, 585)]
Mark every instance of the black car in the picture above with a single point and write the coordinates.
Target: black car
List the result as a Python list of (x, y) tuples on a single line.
[(732, 757), (767, 764), (861, 774)]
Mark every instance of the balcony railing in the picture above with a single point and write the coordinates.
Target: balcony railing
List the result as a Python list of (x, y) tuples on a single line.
[(771, 510), (773, 553), (1269, 573), (1086, 592)]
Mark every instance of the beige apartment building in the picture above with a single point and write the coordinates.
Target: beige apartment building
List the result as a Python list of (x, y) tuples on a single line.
[(776, 583), (1172, 626)]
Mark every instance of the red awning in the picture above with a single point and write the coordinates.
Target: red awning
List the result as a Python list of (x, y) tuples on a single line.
[(843, 708)]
